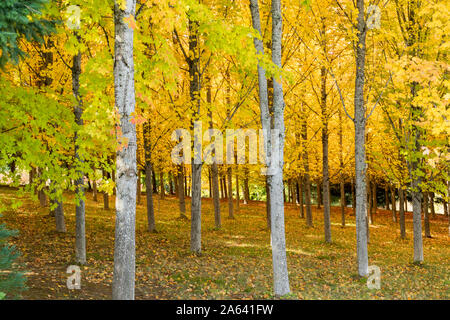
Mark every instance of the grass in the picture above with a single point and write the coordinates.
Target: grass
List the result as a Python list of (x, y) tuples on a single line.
[(236, 261)]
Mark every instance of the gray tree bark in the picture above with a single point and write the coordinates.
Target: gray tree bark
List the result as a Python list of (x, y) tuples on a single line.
[(196, 179), (126, 171), (280, 272), (80, 233), (360, 147)]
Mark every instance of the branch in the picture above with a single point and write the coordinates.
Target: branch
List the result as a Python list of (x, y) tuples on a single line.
[(340, 94), (379, 97)]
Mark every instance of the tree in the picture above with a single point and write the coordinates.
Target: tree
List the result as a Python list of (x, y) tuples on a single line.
[(21, 19), (126, 171)]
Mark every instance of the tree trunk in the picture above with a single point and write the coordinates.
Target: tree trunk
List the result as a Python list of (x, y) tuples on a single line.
[(433, 212), (319, 194), (246, 187), (374, 195), (360, 148), (196, 167), (268, 220), (80, 234), (325, 170), (393, 205), (275, 181), (59, 216), (401, 196), (151, 225), (386, 198), (161, 185), (353, 196), (237, 191), (230, 193), (124, 246), (300, 196), (105, 194), (181, 191), (138, 187), (426, 214), (342, 189), (154, 183), (370, 199), (94, 189)]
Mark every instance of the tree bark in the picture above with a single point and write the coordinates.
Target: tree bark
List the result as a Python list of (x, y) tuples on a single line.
[(360, 148), (151, 225), (80, 233), (105, 194), (138, 187), (230, 193), (161, 184), (401, 196), (237, 191), (433, 212), (393, 205), (181, 191), (275, 181), (126, 171), (325, 169), (426, 214), (342, 190), (300, 196)]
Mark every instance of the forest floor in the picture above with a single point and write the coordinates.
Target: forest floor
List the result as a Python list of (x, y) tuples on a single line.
[(236, 261)]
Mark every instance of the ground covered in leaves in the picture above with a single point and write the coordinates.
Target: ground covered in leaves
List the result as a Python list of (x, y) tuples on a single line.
[(236, 261)]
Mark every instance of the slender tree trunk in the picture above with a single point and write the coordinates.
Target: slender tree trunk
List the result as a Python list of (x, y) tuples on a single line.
[(94, 189), (161, 184), (426, 214), (342, 190), (230, 193), (386, 197), (237, 191), (393, 204), (433, 212), (138, 188), (124, 246), (300, 196), (181, 191), (325, 170), (80, 234), (154, 183), (268, 204), (196, 167), (353, 196), (401, 196), (370, 200), (360, 148), (170, 184), (319, 194), (105, 194), (151, 225), (246, 187)]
